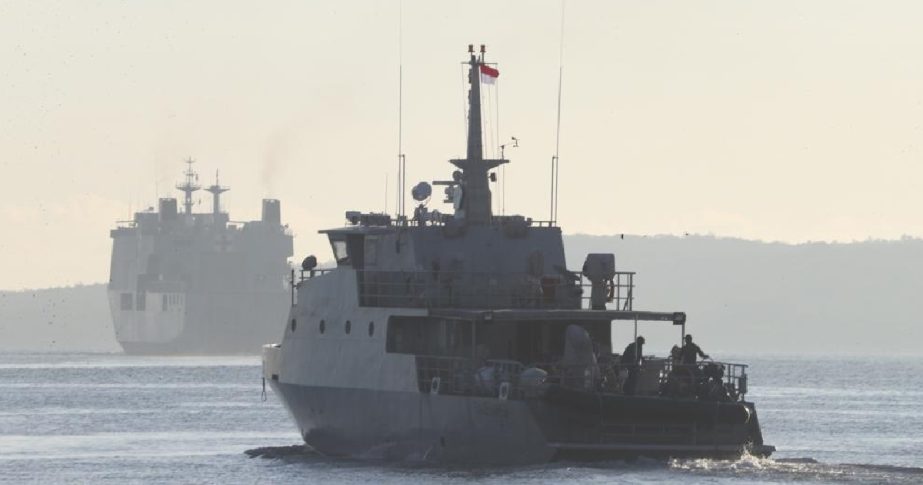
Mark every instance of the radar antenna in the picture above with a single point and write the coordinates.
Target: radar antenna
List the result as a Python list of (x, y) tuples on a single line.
[(190, 185), (216, 191)]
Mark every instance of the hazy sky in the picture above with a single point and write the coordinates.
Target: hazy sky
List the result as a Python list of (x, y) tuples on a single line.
[(782, 120)]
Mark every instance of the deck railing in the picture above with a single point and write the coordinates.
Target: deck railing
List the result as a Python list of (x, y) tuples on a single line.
[(462, 377), (707, 381), (442, 289), (433, 289)]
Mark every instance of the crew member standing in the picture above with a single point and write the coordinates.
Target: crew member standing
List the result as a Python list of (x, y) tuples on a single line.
[(632, 358), (690, 351)]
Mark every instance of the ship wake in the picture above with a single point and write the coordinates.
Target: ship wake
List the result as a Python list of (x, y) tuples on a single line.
[(800, 469), (746, 468)]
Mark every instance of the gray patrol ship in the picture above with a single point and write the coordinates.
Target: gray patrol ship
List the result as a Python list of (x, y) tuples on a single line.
[(463, 338), (198, 283)]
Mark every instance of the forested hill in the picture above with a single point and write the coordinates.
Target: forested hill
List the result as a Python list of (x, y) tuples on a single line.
[(740, 297), (747, 296), (74, 318)]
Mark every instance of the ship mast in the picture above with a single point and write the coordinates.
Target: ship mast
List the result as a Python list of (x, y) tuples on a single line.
[(216, 191), (476, 196), (475, 144), (189, 186)]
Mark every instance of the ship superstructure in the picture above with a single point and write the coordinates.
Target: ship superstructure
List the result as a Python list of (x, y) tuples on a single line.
[(198, 283), (463, 337)]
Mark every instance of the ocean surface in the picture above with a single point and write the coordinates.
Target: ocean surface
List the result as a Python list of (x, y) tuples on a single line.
[(110, 418)]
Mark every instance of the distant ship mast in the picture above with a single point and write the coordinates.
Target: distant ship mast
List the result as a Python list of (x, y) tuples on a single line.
[(216, 191), (189, 186)]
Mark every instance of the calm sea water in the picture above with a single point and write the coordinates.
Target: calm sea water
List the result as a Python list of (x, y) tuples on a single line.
[(79, 418)]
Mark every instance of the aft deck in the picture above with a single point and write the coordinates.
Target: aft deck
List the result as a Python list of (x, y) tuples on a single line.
[(510, 379)]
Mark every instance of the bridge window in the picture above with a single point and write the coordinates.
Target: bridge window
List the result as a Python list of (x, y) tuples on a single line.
[(348, 249), (371, 251), (339, 251)]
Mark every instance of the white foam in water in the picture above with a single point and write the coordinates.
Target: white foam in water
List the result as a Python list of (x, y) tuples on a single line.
[(750, 467)]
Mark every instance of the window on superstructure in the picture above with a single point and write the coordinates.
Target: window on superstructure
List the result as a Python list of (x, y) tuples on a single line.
[(339, 251), (141, 301), (371, 250), (428, 336), (163, 304)]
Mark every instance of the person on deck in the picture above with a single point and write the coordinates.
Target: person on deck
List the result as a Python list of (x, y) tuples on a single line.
[(690, 352), (632, 358)]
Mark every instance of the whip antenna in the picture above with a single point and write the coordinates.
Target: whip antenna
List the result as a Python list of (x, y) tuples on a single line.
[(556, 160), (401, 163)]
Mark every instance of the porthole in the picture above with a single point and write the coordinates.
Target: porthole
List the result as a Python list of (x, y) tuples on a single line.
[(371, 328), (322, 326), (294, 323), (349, 326)]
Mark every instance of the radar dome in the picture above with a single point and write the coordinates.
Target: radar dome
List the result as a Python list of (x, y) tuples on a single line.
[(309, 263), (421, 191)]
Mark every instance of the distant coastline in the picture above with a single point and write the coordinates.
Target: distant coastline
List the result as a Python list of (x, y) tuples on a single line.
[(71, 318), (741, 296)]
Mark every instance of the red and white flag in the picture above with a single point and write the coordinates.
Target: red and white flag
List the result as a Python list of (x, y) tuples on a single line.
[(489, 75)]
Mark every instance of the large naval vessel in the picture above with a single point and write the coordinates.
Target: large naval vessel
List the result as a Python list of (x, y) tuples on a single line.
[(463, 338), (198, 283)]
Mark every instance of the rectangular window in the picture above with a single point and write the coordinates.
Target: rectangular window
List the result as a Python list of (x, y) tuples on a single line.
[(339, 251), (141, 301), (163, 305), (126, 301), (371, 250), (428, 336)]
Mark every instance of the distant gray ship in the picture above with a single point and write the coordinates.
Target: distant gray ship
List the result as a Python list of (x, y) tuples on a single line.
[(198, 283)]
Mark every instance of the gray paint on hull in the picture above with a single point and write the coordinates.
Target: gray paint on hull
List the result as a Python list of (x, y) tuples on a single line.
[(412, 426)]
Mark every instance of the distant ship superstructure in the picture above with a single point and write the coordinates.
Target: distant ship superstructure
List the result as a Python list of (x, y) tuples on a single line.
[(198, 283)]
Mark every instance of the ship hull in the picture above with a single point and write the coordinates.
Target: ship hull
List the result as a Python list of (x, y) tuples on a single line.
[(216, 323), (413, 426), (407, 426)]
